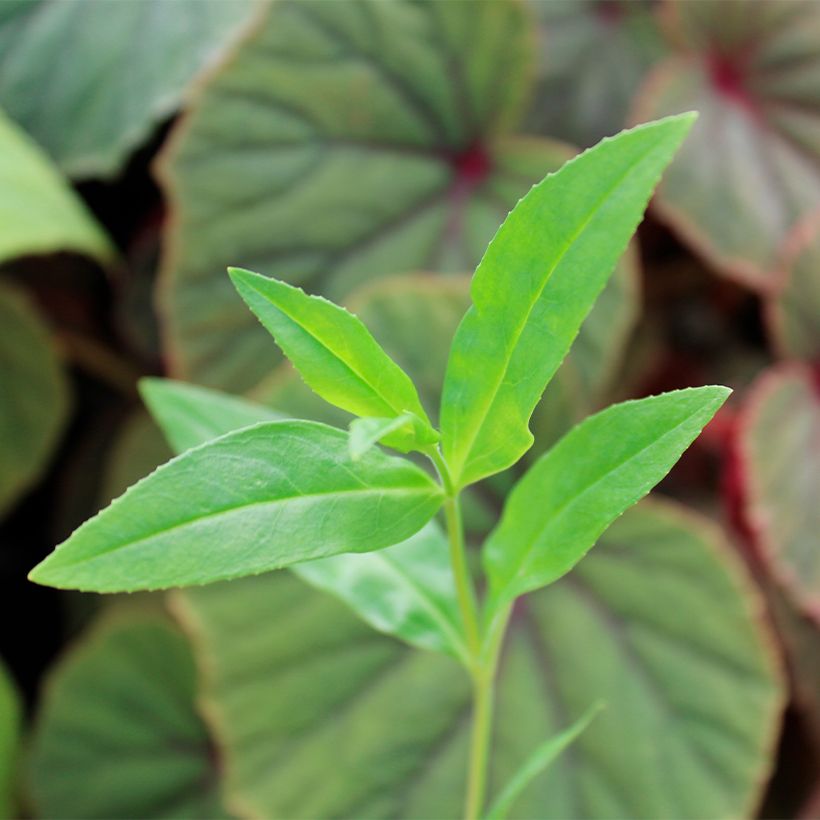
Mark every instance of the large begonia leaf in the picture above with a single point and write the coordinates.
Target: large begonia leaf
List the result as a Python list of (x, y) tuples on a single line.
[(117, 734), (592, 58), (33, 396), (751, 166), (793, 308), (39, 213), (327, 718), (780, 459), (372, 142), (89, 80), (10, 728)]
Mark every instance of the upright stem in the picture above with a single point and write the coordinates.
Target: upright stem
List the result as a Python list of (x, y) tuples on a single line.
[(464, 584), (483, 705), (484, 649)]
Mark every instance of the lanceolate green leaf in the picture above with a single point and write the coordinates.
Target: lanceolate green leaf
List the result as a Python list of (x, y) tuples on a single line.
[(190, 415), (406, 590), (578, 488), (257, 499), (535, 285), (336, 355), (536, 763)]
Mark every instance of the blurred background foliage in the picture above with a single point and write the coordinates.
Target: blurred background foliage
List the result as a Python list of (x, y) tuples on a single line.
[(368, 151)]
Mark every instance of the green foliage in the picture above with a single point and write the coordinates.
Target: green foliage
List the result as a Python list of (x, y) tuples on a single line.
[(538, 762), (39, 213), (34, 399), (336, 356), (533, 288), (279, 492), (751, 169), (783, 416), (107, 73), (286, 493), (10, 730), (577, 489), (147, 748), (326, 718)]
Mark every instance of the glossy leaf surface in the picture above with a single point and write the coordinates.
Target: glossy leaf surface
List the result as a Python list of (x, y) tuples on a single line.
[(335, 354), (557, 511), (33, 397), (366, 433), (328, 719), (107, 73), (190, 415), (39, 213), (534, 287), (375, 142), (405, 590), (11, 720), (119, 709), (751, 169), (257, 499), (780, 457)]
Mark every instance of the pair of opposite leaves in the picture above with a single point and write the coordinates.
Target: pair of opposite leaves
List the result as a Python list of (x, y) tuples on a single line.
[(278, 493)]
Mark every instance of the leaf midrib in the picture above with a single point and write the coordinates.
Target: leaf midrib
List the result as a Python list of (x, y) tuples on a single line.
[(519, 329), (574, 499), (229, 510)]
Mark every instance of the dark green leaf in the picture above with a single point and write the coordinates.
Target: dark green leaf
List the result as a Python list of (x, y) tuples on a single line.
[(577, 489), (751, 169), (257, 499), (33, 395), (106, 73), (534, 287), (328, 719), (11, 721), (779, 438), (336, 356), (117, 734), (374, 141)]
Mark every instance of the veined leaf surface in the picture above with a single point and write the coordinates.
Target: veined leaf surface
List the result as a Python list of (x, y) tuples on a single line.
[(336, 355), (257, 499), (406, 590), (569, 497), (536, 283), (120, 708), (310, 715)]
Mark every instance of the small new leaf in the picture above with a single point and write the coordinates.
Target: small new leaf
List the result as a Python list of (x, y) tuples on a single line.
[(537, 763), (579, 487), (336, 355), (535, 285), (365, 433), (257, 499)]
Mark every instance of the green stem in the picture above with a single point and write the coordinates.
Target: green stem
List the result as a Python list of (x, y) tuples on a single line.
[(483, 704), (484, 650)]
